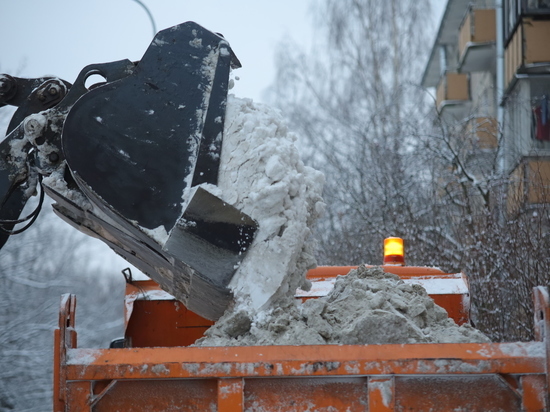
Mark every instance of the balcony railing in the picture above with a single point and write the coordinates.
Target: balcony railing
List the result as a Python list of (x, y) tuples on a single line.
[(483, 132), (527, 8), (453, 90), (528, 48), (538, 181), (476, 43), (529, 184)]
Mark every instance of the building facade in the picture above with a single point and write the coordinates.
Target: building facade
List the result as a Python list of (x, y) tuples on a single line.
[(490, 69)]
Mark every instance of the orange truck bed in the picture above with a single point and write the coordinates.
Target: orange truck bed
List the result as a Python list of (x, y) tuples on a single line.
[(159, 373)]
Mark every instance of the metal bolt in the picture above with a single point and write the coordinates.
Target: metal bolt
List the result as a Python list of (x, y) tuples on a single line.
[(53, 90), (8, 87), (33, 125), (53, 157)]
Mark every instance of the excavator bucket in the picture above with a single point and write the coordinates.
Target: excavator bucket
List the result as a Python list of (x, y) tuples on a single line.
[(135, 155), (138, 143)]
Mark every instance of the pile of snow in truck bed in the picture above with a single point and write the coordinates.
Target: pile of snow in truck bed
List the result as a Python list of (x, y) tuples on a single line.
[(367, 306)]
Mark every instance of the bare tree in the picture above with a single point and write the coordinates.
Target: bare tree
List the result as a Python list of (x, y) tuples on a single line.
[(36, 267), (356, 102), (393, 167)]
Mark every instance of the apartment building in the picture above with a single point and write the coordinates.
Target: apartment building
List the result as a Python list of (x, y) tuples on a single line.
[(490, 69)]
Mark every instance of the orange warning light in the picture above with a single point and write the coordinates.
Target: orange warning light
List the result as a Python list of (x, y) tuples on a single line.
[(394, 252)]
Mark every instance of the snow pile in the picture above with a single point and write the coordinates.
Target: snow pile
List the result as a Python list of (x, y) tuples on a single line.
[(367, 306), (261, 174)]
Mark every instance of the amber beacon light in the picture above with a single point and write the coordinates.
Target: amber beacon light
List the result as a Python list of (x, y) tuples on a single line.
[(394, 252)]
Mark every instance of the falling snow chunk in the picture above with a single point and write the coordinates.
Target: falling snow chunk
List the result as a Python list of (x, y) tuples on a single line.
[(279, 257), (282, 252), (99, 119)]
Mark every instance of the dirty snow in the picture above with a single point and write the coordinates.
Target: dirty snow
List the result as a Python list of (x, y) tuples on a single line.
[(83, 356), (367, 306)]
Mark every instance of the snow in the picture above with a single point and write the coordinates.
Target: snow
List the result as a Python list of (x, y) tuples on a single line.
[(197, 43), (384, 387), (57, 182), (262, 175), (82, 356), (159, 42), (155, 294), (158, 234), (366, 306), (160, 369), (34, 124), (520, 349), (433, 286)]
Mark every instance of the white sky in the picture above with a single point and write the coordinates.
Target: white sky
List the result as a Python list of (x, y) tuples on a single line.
[(60, 37)]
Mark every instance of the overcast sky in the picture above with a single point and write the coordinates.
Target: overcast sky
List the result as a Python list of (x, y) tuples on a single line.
[(60, 37)]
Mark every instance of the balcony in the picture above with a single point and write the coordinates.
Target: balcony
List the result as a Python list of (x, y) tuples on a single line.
[(528, 51), (536, 6), (453, 95), (529, 184), (477, 39), (483, 133), (516, 10)]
